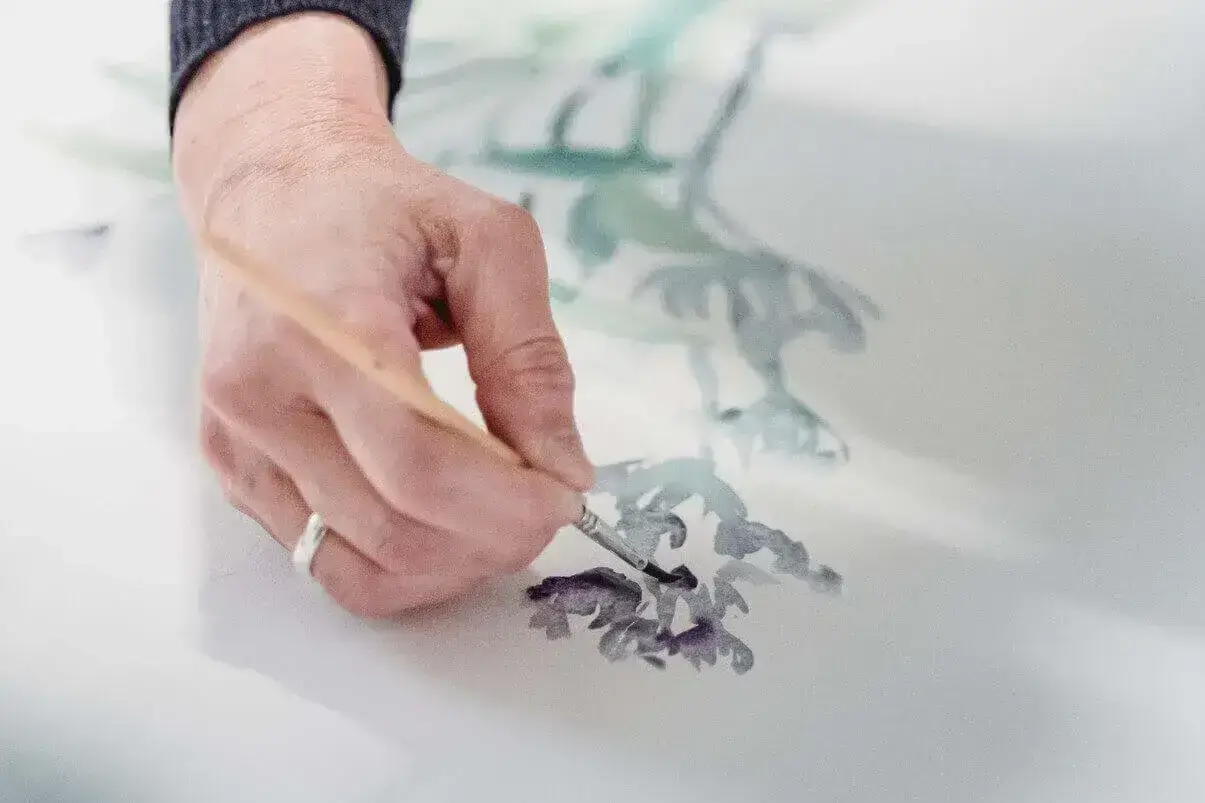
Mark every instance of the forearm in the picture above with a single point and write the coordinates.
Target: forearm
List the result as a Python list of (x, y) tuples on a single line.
[(201, 28)]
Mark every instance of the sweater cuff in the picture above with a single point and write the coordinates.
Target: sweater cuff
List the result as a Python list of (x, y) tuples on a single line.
[(200, 28)]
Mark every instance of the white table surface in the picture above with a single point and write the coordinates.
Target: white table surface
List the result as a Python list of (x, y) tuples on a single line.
[(1020, 187)]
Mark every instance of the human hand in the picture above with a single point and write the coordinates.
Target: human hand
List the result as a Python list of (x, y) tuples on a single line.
[(283, 145)]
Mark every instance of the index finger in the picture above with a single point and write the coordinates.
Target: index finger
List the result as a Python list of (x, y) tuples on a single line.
[(429, 473), (490, 256)]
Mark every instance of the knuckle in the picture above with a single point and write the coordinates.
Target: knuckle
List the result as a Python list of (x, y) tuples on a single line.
[(397, 545), (229, 386), (215, 445), (252, 515), (246, 483), (358, 593), (540, 362), (241, 507), (388, 552), (515, 220), (404, 553), (544, 355), (493, 220), (421, 478), (237, 476)]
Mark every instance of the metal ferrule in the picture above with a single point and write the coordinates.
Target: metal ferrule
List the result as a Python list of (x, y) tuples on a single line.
[(608, 538)]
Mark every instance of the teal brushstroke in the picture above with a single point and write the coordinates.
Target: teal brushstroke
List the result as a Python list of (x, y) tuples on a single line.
[(713, 258), (625, 206), (645, 53), (702, 260), (572, 163), (653, 37)]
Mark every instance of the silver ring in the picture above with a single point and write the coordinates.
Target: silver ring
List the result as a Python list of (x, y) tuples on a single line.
[(307, 546)]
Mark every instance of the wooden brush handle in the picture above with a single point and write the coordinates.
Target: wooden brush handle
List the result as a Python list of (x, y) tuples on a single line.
[(412, 391)]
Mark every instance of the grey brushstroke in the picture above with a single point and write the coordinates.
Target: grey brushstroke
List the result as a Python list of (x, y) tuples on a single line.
[(665, 486), (694, 187), (727, 595), (644, 529), (740, 539), (706, 251), (593, 243), (646, 495), (735, 570)]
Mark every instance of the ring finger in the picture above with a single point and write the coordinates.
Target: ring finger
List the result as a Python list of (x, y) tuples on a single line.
[(302, 441), (260, 488)]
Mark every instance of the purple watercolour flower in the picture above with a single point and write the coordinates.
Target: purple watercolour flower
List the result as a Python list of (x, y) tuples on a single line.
[(600, 591)]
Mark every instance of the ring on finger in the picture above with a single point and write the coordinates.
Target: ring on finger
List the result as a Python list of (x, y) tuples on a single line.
[(307, 546)]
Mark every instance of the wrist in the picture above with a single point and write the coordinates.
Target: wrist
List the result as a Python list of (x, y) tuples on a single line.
[(276, 81)]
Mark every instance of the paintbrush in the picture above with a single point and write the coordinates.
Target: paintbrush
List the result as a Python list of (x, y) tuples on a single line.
[(412, 391)]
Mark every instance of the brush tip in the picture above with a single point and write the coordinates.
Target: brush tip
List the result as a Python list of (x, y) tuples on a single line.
[(685, 578), (681, 577)]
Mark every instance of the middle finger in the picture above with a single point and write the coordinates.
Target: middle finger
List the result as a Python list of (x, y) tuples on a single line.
[(262, 490), (304, 443), (443, 478)]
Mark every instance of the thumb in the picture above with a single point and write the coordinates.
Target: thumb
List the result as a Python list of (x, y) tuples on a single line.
[(496, 281)]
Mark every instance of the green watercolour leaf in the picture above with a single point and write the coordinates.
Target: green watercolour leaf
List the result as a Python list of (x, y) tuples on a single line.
[(650, 95), (657, 34), (559, 292), (684, 289), (625, 208), (593, 244), (572, 163), (146, 161)]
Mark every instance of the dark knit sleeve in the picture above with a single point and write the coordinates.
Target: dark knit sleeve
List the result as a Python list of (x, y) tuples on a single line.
[(200, 28)]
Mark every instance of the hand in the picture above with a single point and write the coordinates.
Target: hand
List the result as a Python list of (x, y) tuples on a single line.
[(283, 145)]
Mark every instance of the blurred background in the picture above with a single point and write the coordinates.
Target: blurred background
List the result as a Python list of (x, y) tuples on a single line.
[(1125, 72)]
